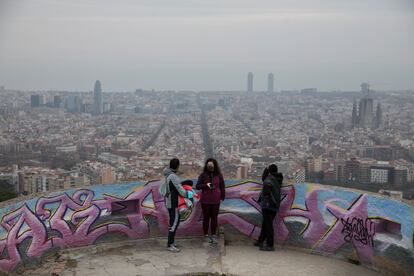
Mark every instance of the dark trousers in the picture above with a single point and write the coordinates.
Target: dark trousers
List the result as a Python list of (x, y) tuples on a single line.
[(173, 225), (267, 232), (210, 213)]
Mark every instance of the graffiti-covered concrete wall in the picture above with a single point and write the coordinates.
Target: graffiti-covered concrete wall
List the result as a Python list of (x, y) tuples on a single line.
[(372, 230)]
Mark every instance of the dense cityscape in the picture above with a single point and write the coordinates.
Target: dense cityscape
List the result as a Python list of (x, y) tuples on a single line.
[(54, 140)]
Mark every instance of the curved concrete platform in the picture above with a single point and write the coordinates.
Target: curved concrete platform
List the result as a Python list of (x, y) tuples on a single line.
[(150, 257), (247, 260)]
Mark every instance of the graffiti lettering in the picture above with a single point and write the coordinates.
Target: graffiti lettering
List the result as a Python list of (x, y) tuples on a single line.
[(80, 219), (358, 229)]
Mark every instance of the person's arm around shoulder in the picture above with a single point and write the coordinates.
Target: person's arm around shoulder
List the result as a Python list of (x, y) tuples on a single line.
[(222, 188), (200, 183), (276, 188), (267, 186), (275, 193), (177, 184)]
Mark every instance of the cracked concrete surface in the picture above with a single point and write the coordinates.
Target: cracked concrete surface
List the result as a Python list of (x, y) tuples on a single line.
[(150, 257)]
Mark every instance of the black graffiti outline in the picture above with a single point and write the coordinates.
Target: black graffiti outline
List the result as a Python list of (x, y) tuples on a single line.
[(358, 229)]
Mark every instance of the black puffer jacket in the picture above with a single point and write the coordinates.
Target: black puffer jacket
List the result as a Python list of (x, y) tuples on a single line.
[(270, 195)]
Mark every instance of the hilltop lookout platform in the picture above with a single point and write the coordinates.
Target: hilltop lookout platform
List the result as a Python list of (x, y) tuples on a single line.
[(119, 229), (149, 257)]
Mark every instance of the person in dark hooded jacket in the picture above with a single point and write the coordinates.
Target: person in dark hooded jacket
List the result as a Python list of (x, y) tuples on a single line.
[(270, 201)]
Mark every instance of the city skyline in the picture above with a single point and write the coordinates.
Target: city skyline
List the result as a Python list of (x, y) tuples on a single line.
[(264, 86), (206, 89), (55, 139)]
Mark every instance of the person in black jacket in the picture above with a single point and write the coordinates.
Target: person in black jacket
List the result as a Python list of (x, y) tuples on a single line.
[(270, 201)]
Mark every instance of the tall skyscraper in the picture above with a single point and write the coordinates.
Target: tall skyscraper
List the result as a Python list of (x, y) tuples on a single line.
[(97, 98), (250, 82), (270, 82)]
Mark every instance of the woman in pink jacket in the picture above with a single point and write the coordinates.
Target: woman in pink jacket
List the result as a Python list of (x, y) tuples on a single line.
[(211, 184)]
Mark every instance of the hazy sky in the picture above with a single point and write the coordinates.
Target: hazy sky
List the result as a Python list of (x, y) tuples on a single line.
[(206, 44)]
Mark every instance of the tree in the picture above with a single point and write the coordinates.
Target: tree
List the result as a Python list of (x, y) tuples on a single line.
[(6, 191)]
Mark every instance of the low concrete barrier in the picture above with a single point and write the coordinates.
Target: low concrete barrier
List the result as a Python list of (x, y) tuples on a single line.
[(362, 227)]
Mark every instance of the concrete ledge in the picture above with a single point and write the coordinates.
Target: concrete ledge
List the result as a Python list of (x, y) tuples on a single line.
[(359, 227)]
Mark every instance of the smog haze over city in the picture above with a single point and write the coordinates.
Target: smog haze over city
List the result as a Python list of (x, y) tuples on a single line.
[(206, 45), (101, 92)]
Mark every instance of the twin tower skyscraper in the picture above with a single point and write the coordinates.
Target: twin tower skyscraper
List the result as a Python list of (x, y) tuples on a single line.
[(97, 99), (270, 82)]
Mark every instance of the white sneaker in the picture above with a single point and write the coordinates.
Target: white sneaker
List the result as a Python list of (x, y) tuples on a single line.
[(207, 238), (214, 239), (172, 248)]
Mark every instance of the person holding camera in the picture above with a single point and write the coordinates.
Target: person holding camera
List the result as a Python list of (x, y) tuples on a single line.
[(269, 200), (211, 184)]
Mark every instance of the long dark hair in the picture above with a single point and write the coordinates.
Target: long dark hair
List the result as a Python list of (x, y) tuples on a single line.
[(265, 174), (216, 166)]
